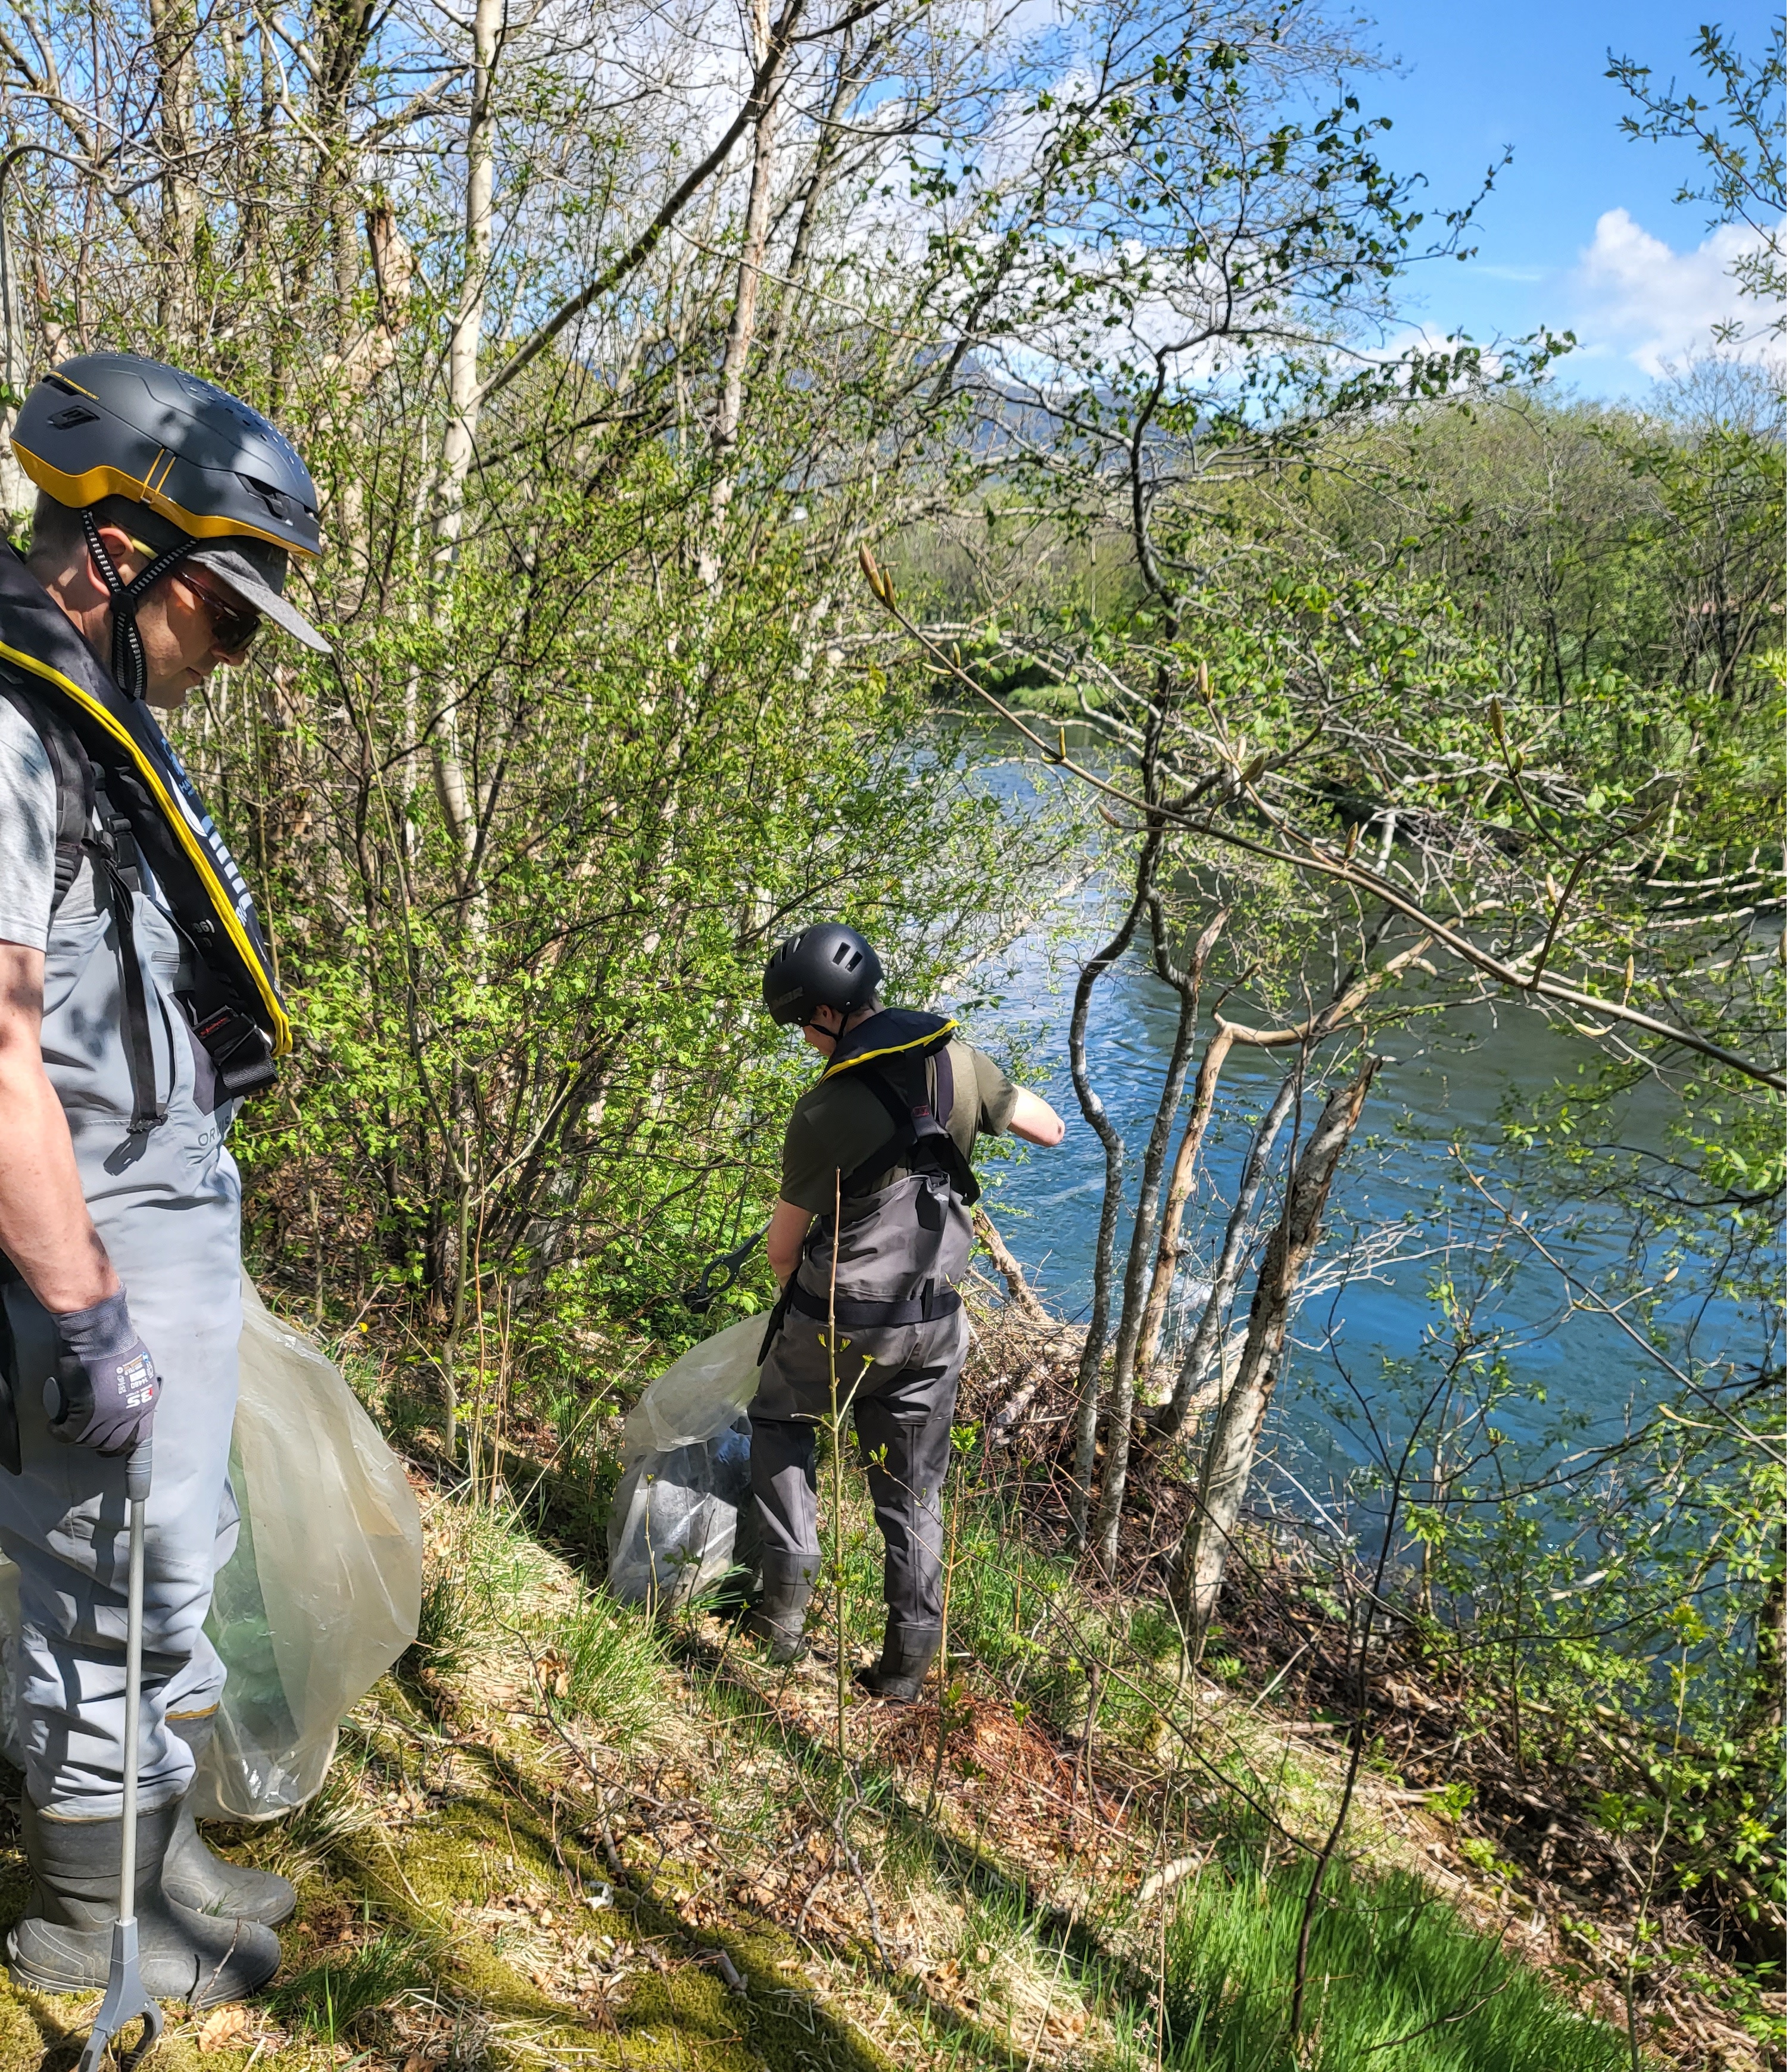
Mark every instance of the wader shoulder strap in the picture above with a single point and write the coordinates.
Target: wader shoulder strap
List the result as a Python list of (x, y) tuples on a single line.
[(74, 789), (197, 878), (148, 1110), (114, 799), (86, 828), (917, 1129)]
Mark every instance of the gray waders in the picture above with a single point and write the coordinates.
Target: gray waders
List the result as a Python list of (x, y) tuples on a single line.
[(896, 1356), (167, 1203)]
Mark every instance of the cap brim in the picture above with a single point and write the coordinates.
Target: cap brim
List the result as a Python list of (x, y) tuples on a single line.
[(246, 582)]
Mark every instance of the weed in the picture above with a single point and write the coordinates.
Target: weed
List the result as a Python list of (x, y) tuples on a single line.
[(614, 1668), (331, 1997), (1393, 1969), (442, 1620)]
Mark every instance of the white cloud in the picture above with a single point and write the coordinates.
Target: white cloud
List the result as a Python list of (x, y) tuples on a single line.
[(1633, 297)]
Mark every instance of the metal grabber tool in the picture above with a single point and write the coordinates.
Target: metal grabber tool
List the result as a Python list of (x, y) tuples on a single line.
[(125, 2000)]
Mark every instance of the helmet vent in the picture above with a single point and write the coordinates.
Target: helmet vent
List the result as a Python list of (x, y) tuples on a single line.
[(76, 414), (277, 502)]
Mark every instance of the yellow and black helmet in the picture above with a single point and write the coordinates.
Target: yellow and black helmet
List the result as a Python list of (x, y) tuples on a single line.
[(112, 425), (213, 481)]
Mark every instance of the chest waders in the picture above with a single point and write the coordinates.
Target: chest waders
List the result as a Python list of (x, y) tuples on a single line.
[(158, 1014), (108, 754), (900, 1249)]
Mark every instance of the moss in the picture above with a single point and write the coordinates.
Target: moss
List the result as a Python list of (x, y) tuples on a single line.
[(413, 1889)]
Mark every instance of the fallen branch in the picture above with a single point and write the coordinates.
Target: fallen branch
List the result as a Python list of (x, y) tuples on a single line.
[(1018, 1288)]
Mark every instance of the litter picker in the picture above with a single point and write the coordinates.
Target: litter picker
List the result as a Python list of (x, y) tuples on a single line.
[(125, 2000)]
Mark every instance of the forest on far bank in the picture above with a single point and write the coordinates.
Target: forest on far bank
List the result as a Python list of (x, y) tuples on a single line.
[(740, 431)]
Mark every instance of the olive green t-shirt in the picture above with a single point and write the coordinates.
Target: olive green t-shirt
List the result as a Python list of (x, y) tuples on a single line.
[(838, 1123)]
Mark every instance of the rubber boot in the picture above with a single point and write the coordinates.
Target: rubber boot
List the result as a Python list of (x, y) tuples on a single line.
[(777, 1620), (208, 1883), (908, 1652), (64, 1945)]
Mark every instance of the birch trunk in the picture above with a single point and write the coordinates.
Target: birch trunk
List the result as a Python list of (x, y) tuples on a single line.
[(1180, 1188), (1202, 1354), (1123, 1395), (742, 326), (1087, 1405), (1230, 1457), (18, 495), (459, 438)]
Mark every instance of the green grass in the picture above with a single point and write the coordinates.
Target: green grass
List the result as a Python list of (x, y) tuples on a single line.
[(329, 1998), (1397, 1983), (440, 1642), (488, 1586), (614, 1666)]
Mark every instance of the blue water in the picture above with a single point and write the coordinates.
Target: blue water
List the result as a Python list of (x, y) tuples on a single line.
[(1365, 1351)]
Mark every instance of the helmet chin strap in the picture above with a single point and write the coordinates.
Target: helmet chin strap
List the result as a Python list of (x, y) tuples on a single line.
[(130, 664)]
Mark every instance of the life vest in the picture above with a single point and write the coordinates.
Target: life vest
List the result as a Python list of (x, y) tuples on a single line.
[(108, 753), (900, 1247), (887, 1053)]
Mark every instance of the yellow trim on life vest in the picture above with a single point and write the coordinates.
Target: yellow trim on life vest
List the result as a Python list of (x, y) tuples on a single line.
[(78, 491), (171, 813), (890, 1051)]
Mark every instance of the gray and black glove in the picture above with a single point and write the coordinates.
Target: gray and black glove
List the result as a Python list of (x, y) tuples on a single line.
[(103, 1392)]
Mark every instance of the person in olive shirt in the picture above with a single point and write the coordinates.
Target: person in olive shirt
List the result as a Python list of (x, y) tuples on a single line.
[(870, 1236)]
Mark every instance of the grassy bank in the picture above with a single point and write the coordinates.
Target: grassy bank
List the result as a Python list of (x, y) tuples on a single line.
[(562, 1835)]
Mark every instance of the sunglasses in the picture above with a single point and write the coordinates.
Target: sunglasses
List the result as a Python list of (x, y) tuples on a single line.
[(234, 626)]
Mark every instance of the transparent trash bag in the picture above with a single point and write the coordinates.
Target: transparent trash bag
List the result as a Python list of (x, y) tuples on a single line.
[(680, 1517), (321, 1595), (322, 1592)]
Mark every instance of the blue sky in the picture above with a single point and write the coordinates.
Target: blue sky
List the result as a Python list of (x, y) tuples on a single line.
[(1580, 231)]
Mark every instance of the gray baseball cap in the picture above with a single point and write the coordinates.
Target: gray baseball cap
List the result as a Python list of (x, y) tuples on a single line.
[(253, 570)]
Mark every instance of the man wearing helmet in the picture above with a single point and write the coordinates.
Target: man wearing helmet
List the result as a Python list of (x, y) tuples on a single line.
[(870, 1236), (137, 1006)]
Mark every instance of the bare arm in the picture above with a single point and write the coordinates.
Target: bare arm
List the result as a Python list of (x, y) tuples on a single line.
[(783, 1240), (1034, 1120), (45, 1229)]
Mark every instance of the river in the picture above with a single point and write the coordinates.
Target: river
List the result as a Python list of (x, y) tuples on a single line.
[(1363, 1350)]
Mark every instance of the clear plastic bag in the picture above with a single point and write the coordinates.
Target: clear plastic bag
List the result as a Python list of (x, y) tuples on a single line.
[(676, 1526), (320, 1598), (324, 1591)]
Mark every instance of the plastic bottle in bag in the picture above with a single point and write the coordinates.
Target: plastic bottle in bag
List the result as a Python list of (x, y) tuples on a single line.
[(680, 1519)]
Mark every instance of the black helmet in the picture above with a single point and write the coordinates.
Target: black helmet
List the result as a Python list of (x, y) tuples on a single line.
[(828, 965), (229, 492)]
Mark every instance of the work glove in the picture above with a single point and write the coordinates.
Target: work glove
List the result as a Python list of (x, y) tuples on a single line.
[(103, 1392)]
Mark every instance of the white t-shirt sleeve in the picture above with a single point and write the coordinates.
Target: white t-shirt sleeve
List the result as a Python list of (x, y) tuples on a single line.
[(27, 831)]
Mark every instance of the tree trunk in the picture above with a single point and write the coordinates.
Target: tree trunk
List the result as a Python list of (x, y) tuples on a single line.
[(459, 438), (1086, 1406), (1765, 1708), (1230, 1457), (1202, 1354), (1123, 1395), (18, 493), (174, 30), (1180, 1188), (743, 325)]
